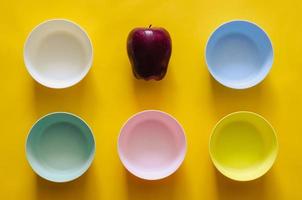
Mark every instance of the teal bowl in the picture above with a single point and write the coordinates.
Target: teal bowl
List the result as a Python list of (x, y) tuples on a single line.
[(60, 147)]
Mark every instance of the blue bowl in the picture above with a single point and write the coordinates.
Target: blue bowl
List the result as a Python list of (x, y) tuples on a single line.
[(239, 54), (60, 147)]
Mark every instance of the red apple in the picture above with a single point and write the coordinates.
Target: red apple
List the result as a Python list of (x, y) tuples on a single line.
[(149, 50)]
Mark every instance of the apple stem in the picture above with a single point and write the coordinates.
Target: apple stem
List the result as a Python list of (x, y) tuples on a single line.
[(150, 25)]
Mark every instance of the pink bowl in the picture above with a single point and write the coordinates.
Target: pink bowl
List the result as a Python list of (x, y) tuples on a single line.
[(152, 145)]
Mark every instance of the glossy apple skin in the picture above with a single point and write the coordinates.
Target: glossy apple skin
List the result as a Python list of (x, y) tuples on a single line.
[(149, 51)]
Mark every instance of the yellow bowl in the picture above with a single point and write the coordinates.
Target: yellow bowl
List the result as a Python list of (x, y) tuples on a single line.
[(243, 146)]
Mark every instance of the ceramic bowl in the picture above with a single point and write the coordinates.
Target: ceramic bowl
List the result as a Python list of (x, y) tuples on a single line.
[(239, 54), (60, 147), (58, 53), (243, 146), (152, 145)]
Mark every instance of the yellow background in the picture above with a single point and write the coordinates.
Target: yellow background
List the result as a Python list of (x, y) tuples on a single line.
[(110, 94)]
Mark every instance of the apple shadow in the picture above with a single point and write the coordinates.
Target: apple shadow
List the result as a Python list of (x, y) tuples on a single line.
[(80, 98), (259, 99), (167, 188), (82, 188), (152, 94), (262, 188)]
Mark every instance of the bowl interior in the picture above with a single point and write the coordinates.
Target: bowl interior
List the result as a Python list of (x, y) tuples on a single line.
[(243, 146), (152, 145), (239, 54), (58, 53), (60, 147)]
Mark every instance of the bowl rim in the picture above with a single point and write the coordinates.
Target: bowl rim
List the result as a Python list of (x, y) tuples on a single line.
[(91, 156), (122, 159), (216, 29), (87, 66), (275, 153)]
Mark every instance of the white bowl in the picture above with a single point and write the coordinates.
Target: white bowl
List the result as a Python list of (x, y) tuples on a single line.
[(58, 53)]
